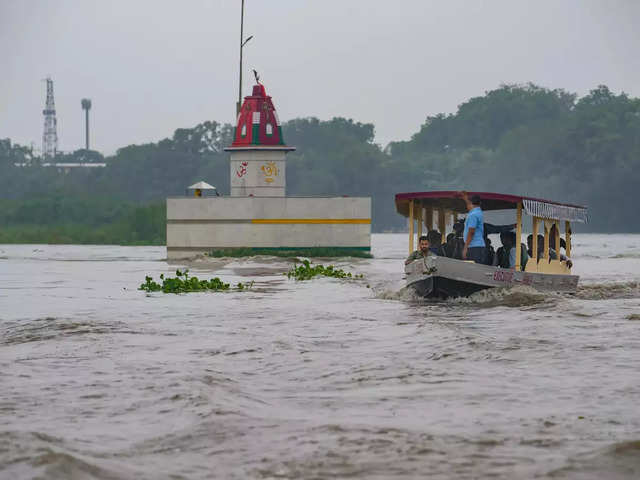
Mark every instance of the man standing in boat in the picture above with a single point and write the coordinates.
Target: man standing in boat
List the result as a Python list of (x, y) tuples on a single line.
[(474, 246)]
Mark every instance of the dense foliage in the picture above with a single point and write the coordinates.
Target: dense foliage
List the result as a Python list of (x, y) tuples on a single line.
[(539, 142), (515, 139), (57, 218)]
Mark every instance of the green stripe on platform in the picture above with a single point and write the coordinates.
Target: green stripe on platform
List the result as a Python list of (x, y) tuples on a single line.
[(293, 252)]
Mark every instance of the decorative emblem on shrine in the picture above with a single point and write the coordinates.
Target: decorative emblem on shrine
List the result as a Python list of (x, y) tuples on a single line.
[(242, 169), (270, 171)]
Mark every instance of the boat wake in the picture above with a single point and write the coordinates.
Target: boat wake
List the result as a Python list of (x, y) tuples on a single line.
[(518, 296), (403, 295), (608, 291)]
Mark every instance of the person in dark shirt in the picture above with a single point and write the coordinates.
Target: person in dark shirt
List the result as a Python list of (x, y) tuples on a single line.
[(491, 253), (435, 243), (451, 245), (455, 242), (506, 255)]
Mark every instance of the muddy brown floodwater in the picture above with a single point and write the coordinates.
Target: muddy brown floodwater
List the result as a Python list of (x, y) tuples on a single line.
[(319, 379)]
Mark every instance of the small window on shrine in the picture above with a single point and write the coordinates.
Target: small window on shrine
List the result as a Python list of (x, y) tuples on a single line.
[(243, 132), (269, 129)]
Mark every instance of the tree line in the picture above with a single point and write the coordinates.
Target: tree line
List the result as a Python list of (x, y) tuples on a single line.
[(521, 139)]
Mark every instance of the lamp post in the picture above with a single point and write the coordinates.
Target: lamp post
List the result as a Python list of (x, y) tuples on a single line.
[(86, 106), (243, 42)]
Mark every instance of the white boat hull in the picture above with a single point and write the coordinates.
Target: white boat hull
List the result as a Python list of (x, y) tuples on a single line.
[(443, 277)]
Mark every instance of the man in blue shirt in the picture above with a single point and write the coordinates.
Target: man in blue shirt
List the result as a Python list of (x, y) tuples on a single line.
[(474, 246)]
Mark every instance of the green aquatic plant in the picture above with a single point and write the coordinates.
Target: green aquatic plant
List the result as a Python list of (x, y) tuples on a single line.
[(306, 271), (244, 286), (183, 283)]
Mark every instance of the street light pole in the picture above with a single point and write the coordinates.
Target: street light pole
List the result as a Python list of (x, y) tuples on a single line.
[(86, 106), (239, 104), (242, 44)]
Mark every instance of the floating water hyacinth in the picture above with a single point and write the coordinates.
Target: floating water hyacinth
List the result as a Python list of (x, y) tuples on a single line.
[(306, 271), (183, 283)]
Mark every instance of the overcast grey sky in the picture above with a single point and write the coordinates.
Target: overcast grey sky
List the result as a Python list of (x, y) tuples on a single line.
[(151, 66)]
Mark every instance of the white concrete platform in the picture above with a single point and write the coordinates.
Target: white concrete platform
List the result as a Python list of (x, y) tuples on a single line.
[(199, 225)]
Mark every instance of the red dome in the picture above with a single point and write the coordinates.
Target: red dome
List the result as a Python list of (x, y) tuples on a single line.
[(258, 124)]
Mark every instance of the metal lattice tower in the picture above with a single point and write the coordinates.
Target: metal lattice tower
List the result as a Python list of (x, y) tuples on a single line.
[(50, 134)]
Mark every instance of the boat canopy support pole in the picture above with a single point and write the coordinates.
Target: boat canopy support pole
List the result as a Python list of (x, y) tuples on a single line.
[(410, 227), (567, 237), (518, 237), (547, 232), (418, 214), (534, 242), (442, 225), (428, 220)]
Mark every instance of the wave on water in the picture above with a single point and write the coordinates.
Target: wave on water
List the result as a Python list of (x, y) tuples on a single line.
[(518, 296), (626, 255), (618, 461), (38, 455), (403, 295), (608, 291), (50, 327)]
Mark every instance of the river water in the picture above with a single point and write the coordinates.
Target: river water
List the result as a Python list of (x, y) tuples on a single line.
[(319, 379)]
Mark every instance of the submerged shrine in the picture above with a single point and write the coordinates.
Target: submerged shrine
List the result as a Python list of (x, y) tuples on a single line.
[(258, 216)]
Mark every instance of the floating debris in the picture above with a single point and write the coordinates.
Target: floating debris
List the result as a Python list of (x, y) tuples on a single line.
[(306, 271), (183, 283)]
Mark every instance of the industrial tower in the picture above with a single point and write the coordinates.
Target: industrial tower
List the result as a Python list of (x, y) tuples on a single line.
[(86, 106), (50, 135)]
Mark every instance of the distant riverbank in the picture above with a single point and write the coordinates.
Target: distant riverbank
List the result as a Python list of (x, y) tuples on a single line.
[(81, 221)]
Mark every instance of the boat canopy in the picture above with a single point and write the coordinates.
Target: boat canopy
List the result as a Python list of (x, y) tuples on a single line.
[(452, 201)]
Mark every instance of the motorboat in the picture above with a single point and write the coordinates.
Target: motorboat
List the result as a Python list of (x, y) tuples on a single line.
[(441, 276)]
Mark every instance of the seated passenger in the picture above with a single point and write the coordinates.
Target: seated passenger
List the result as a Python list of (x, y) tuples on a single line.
[(563, 244), (552, 239), (456, 245), (489, 229), (423, 250), (506, 255), (435, 243), (552, 252), (502, 255), (450, 246), (553, 255), (491, 253)]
